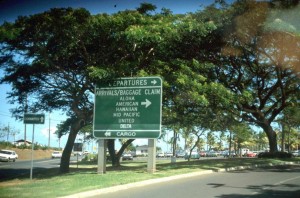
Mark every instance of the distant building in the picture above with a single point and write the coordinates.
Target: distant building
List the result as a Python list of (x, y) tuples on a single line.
[(22, 142), (141, 150)]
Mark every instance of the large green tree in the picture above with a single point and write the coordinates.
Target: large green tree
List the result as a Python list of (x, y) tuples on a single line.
[(53, 59), (45, 59), (257, 62)]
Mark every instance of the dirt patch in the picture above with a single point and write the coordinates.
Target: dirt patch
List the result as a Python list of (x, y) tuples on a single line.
[(37, 154), (25, 154)]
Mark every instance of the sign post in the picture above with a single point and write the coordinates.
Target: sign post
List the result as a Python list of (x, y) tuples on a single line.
[(128, 108), (101, 169), (30, 118), (151, 165)]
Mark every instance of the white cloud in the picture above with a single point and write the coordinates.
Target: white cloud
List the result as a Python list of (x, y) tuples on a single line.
[(140, 142), (45, 132)]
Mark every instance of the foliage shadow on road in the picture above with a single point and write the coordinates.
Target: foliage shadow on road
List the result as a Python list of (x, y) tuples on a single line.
[(266, 190), (38, 173), (266, 193)]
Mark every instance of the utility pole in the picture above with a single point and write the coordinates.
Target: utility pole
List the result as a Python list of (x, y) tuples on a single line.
[(25, 124), (7, 132), (59, 143), (49, 132)]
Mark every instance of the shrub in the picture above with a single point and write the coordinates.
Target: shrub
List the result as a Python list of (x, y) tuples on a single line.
[(23, 146), (4, 145), (278, 154), (55, 148), (90, 158), (44, 147)]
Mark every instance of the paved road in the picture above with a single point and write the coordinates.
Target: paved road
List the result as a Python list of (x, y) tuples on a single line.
[(21, 168), (274, 182)]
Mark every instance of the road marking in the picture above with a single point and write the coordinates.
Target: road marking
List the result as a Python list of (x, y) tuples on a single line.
[(281, 182), (277, 184)]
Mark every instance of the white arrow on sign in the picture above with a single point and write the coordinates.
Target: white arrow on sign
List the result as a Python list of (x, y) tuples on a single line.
[(107, 133), (147, 103), (42, 119), (153, 82)]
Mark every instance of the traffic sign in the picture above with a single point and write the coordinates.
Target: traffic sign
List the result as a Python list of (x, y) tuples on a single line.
[(128, 108), (31, 118)]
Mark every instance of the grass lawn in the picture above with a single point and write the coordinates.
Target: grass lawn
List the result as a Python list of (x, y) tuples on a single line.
[(51, 184)]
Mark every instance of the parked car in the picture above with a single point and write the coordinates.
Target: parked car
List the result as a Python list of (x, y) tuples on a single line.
[(250, 154), (212, 154), (168, 154), (160, 155), (180, 155), (202, 154), (127, 156), (243, 151), (296, 153), (194, 155), (8, 155), (56, 154), (226, 154), (75, 153)]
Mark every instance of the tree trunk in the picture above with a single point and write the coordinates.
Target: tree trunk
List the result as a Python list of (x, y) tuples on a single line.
[(283, 138), (115, 161), (124, 146), (114, 155), (65, 159), (174, 143), (239, 148), (272, 137), (230, 140)]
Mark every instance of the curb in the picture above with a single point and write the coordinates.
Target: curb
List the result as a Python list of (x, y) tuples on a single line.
[(255, 166), (166, 179)]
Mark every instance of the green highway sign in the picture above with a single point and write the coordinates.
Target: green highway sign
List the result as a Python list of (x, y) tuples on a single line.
[(128, 108), (31, 118)]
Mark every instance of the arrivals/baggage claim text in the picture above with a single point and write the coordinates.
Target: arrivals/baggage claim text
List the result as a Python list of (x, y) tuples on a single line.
[(127, 107)]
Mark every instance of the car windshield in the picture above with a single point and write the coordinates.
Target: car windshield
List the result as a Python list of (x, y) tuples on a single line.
[(5, 152)]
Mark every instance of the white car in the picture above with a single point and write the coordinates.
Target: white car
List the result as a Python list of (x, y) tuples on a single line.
[(56, 154), (127, 156), (160, 155), (8, 155), (296, 153)]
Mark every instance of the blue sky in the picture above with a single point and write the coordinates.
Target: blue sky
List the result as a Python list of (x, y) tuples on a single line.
[(11, 9)]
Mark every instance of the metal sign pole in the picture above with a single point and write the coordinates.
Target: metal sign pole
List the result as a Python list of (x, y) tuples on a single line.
[(101, 156), (31, 118), (32, 148), (151, 165)]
